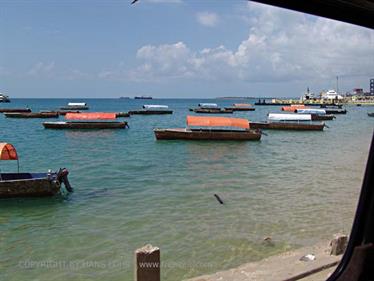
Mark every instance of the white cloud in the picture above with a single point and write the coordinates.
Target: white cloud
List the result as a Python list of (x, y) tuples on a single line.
[(76, 74), (280, 46), (169, 60), (207, 18), (42, 69)]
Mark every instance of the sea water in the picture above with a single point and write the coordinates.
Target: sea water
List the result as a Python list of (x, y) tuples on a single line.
[(131, 190)]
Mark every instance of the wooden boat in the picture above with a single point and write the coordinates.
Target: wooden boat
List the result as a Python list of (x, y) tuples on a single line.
[(322, 117), (297, 126), (292, 107), (289, 117), (122, 114), (241, 107), (208, 105), (371, 114), (333, 105), (264, 102), (242, 131), (152, 109), (149, 112), (317, 114), (89, 121), (212, 110), (3, 110), (316, 111), (85, 125), (335, 111), (75, 106), (64, 112), (29, 184), (31, 114)]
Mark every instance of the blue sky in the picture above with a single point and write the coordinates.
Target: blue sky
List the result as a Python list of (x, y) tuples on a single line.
[(175, 48)]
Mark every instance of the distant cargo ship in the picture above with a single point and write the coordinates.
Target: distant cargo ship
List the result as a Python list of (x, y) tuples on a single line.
[(143, 97), (4, 98)]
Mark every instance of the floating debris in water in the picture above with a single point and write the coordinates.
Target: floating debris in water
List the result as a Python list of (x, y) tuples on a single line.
[(218, 199)]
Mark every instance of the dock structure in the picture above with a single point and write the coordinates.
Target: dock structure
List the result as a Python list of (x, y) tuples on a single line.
[(315, 262), (285, 266)]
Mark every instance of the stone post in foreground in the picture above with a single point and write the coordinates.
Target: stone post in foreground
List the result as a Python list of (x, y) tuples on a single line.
[(338, 244), (147, 264)]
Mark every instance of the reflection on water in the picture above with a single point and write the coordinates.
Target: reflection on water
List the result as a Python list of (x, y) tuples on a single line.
[(131, 190)]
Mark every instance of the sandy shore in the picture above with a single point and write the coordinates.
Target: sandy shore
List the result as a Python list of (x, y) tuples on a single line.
[(281, 267)]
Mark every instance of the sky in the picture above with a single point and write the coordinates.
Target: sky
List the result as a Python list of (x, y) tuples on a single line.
[(176, 49)]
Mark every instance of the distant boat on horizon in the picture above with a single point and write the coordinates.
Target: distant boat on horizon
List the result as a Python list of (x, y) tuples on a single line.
[(4, 98), (124, 98), (143, 97)]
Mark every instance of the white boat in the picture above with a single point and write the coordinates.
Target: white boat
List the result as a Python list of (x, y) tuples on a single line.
[(155, 106), (307, 95), (208, 105), (289, 117), (310, 111), (4, 98), (143, 97), (77, 104), (331, 95)]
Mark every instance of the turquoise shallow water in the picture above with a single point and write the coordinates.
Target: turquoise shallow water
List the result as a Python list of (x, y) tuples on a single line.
[(297, 187)]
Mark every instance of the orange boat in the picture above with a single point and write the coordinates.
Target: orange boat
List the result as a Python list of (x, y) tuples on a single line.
[(293, 107), (211, 128), (89, 121)]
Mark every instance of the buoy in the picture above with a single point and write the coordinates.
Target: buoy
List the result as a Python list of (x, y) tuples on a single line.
[(218, 199)]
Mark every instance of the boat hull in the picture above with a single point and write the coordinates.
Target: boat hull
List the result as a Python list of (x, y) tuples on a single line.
[(74, 107), (85, 125), (240, 108), (3, 110), (122, 114), (287, 126), (31, 115), (64, 112), (273, 103), (183, 134), (212, 110), (29, 187), (150, 112), (335, 111), (322, 117)]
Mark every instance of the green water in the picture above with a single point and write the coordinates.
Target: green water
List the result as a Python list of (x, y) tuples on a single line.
[(130, 190)]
